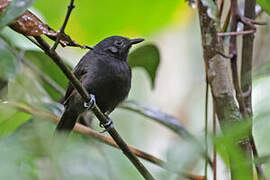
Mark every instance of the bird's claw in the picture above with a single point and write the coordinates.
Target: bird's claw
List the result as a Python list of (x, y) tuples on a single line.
[(108, 125), (89, 105)]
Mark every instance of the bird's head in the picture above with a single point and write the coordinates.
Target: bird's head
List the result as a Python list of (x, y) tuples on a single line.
[(116, 46)]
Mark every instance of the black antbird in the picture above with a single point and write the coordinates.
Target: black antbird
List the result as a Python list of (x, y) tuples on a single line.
[(105, 73)]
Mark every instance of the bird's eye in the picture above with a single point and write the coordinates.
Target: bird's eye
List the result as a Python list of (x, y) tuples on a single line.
[(118, 43)]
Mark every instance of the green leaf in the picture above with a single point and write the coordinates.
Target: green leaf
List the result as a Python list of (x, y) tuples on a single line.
[(228, 148), (49, 72), (265, 4), (8, 63), (147, 57), (237, 158), (13, 10), (10, 119)]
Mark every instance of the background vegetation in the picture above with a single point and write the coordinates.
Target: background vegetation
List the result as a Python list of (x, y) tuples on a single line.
[(168, 74)]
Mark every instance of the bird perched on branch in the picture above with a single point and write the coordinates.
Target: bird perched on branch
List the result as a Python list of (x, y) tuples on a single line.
[(105, 73)]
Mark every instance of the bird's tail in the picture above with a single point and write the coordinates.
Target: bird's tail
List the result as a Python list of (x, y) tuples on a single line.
[(68, 120)]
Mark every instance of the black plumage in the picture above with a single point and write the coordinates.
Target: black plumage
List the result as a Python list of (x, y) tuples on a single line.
[(105, 73)]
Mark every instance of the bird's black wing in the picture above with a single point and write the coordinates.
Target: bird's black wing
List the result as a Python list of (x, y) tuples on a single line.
[(79, 71)]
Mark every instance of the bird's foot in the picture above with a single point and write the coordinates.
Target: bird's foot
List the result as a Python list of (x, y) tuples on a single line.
[(89, 105), (108, 125)]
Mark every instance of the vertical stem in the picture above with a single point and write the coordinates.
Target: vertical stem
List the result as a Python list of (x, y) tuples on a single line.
[(246, 74), (214, 151), (206, 128), (244, 143), (220, 11)]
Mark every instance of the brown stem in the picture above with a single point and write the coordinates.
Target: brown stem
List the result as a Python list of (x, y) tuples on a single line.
[(214, 151), (226, 22), (244, 143), (246, 74), (220, 11), (62, 30), (206, 128), (236, 33)]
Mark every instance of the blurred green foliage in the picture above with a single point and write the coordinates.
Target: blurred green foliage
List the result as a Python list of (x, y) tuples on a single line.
[(9, 64), (10, 119), (46, 67), (92, 21), (265, 4), (28, 149), (14, 9)]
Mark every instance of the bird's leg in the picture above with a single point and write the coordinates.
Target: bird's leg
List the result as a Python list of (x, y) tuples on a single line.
[(89, 105)]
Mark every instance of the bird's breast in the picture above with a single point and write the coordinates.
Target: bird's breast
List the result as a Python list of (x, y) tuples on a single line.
[(111, 84)]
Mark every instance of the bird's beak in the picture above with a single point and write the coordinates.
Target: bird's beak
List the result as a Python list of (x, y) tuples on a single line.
[(135, 41)]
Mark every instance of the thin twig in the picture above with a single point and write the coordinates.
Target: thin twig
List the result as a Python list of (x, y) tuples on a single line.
[(62, 30), (238, 18), (220, 10), (107, 140), (236, 33), (214, 150), (206, 128), (224, 55), (226, 22)]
